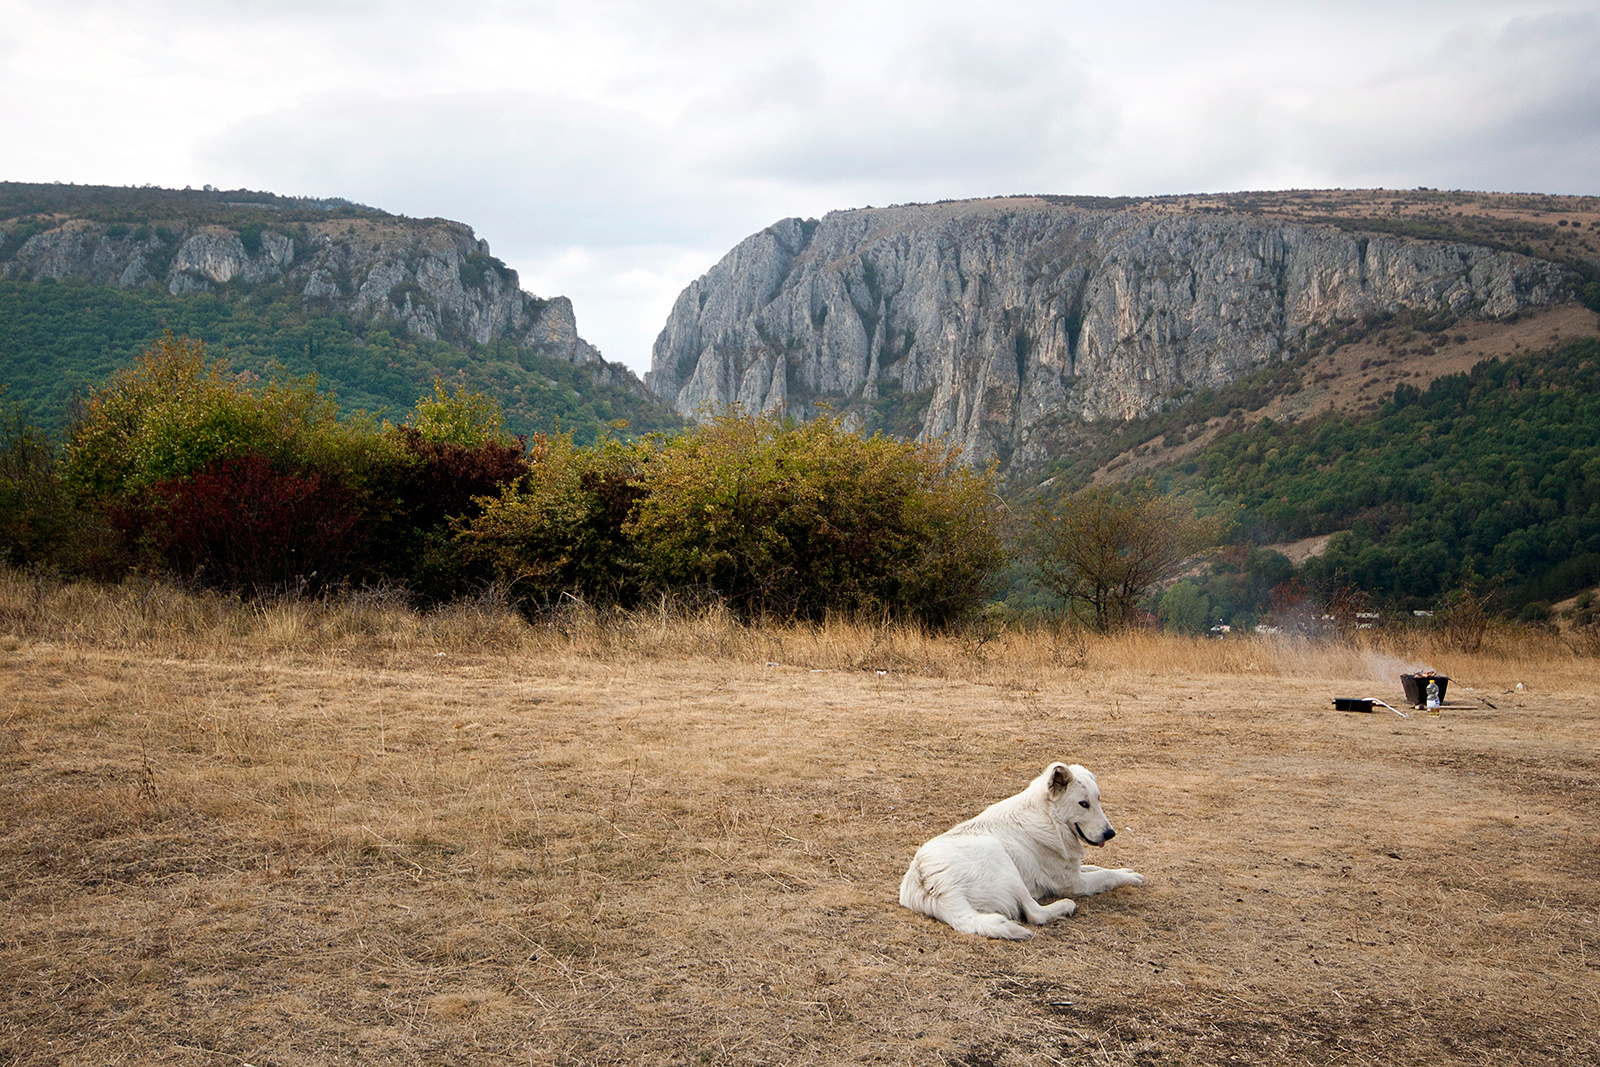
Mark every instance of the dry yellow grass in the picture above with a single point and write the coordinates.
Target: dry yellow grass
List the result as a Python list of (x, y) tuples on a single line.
[(337, 833)]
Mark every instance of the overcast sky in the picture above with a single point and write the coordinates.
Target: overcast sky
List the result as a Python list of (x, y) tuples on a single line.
[(613, 150)]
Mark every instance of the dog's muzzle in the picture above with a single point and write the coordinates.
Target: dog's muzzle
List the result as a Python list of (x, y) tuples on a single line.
[(1086, 839)]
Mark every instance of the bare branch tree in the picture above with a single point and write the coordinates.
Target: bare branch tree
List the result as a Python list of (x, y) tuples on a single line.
[(1103, 549)]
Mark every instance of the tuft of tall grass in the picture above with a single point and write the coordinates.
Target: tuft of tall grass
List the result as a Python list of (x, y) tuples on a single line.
[(176, 621)]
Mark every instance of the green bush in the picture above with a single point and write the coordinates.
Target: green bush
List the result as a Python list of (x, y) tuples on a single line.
[(775, 517), (35, 518), (1185, 608), (559, 529), (464, 417), (797, 520), (174, 412)]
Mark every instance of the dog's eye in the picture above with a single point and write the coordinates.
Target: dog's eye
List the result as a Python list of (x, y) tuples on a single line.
[(1083, 803)]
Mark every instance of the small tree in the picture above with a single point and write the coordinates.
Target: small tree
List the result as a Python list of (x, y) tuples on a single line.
[(1468, 611), (1186, 608), (465, 418), (1103, 549)]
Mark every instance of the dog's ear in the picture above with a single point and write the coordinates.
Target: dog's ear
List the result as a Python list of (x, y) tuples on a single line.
[(1060, 778)]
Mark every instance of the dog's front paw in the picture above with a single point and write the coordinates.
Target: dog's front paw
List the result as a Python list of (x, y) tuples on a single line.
[(1132, 877)]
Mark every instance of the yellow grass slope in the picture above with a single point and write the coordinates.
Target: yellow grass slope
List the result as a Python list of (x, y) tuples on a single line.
[(344, 832)]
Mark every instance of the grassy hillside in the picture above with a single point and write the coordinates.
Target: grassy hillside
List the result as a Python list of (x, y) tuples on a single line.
[(1494, 473), (1430, 455)]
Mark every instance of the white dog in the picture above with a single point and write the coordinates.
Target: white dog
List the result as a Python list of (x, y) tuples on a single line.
[(988, 872)]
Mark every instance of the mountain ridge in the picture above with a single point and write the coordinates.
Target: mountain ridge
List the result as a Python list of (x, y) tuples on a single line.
[(377, 304), (434, 277), (1006, 324)]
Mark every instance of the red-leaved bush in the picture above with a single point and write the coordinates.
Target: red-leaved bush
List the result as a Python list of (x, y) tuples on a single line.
[(446, 476), (239, 524)]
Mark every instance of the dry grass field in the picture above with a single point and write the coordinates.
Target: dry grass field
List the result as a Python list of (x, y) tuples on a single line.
[(342, 833)]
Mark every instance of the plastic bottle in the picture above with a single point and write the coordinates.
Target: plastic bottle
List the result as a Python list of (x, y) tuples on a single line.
[(1433, 697)]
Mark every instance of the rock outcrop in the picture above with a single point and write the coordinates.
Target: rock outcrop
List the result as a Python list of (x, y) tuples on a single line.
[(996, 323), (432, 277)]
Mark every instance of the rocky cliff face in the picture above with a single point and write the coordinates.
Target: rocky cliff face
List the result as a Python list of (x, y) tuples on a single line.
[(997, 323), (432, 277)]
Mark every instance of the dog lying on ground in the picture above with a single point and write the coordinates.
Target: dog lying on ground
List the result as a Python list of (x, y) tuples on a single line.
[(990, 871)]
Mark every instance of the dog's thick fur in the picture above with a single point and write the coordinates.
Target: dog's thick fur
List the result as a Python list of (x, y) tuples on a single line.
[(990, 871)]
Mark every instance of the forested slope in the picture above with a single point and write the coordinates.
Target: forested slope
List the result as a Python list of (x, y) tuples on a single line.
[(376, 305), (59, 339), (1489, 476)]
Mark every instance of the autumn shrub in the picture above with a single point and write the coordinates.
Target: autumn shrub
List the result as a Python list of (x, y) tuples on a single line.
[(561, 528), (437, 483), (797, 520), (773, 517), (261, 486), (193, 470), (257, 487), (238, 523), (174, 411)]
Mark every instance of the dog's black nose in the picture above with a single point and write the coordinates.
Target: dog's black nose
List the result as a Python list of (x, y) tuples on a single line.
[(1110, 833)]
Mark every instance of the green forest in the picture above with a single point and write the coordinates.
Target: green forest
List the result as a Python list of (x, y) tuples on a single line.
[(1488, 479), (58, 339)]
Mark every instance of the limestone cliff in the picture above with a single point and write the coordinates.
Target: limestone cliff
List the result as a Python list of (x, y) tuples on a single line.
[(432, 277), (997, 323)]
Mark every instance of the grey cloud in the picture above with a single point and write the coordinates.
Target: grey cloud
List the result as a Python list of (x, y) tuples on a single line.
[(568, 172), (1515, 109), (686, 124), (941, 108)]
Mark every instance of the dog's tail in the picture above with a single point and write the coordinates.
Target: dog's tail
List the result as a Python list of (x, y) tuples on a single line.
[(954, 909)]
